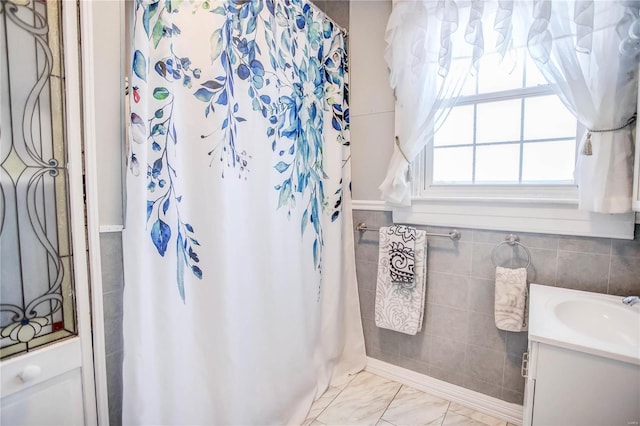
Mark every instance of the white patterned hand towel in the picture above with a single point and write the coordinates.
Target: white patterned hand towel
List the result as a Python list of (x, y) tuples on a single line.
[(511, 299), (402, 270)]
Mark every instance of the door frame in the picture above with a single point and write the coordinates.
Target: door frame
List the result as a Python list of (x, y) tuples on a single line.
[(87, 113), (76, 112)]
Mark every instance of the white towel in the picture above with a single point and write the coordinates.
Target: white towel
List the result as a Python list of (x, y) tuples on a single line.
[(400, 296), (511, 299)]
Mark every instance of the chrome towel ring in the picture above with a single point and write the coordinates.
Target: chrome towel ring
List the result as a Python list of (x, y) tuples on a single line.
[(512, 240)]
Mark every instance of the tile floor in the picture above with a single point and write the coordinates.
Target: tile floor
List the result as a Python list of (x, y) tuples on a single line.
[(372, 400)]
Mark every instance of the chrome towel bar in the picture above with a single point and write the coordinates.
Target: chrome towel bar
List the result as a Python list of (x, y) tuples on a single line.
[(454, 235)]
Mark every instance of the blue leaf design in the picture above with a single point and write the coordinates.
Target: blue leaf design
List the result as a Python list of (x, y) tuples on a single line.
[(243, 71), (140, 65), (149, 209), (211, 84), (189, 227), (281, 166), (196, 271), (203, 95), (265, 98), (180, 268), (335, 124), (222, 99), (160, 235), (165, 205), (157, 168)]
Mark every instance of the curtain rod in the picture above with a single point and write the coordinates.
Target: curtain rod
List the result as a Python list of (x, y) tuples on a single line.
[(454, 235)]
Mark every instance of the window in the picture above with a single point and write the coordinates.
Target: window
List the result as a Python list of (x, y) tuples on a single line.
[(506, 129), (504, 159)]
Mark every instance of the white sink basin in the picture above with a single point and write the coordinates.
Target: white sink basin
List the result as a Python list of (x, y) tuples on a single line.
[(594, 323), (610, 321)]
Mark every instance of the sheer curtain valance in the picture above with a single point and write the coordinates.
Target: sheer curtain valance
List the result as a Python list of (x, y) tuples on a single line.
[(433, 45)]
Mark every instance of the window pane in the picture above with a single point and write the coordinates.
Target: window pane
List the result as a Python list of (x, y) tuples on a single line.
[(498, 121), (497, 163), (494, 75), (452, 165), (546, 117), (548, 161), (457, 128)]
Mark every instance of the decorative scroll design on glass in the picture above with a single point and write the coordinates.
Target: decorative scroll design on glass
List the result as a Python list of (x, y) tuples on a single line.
[(36, 282)]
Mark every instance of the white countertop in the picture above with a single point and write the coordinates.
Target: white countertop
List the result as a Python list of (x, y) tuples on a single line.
[(571, 328)]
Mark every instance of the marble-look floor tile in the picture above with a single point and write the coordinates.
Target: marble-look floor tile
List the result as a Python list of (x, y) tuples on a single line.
[(362, 402), (413, 407), (321, 403), (384, 423), (481, 418), (455, 419)]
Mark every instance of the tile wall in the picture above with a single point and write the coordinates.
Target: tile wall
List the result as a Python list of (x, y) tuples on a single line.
[(459, 342), (112, 288)]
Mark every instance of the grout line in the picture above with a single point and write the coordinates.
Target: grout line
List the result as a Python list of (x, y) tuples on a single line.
[(335, 397), (390, 402), (446, 412)]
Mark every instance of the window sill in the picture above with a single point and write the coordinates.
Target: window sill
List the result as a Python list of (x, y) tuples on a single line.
[(536, 215)]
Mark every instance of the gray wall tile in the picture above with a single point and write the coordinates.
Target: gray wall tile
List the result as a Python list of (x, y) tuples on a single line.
[(444, 255), (625, 276), (543, 267), (113, 287), (482, 332), (512, 396), (484, 364), (583, 271), (454, 376), (513, 379), (486, 388), (111, 259), (627, 248), (481, 266), (481, 295), (414, 365), (448, 322), (367, 246), (448, 290), (114, 387), (366, 272), (585, 245), (517, 343), (460, 343), (416, 347), (447, 354)]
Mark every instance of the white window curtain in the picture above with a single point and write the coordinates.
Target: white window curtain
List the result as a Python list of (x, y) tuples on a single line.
[(578, 51), (575, 44), (423, 40)]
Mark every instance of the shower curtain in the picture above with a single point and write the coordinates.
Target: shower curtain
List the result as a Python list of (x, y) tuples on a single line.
[(240, 301)]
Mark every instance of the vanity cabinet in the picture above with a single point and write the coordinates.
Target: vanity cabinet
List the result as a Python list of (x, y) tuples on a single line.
[(567, 387)]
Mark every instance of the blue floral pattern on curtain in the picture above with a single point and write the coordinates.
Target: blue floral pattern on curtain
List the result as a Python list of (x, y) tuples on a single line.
[(310, 79)]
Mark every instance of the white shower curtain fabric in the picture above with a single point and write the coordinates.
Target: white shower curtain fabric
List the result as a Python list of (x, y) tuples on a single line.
[(240, 303), (432, 45)]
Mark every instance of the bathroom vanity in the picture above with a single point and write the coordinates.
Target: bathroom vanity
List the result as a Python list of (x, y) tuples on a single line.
[(583, 362)]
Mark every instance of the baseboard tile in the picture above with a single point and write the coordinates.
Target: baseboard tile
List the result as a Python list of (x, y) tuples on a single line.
[(507, 411)]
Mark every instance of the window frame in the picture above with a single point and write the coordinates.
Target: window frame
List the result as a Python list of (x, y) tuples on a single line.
[(535, 208)]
